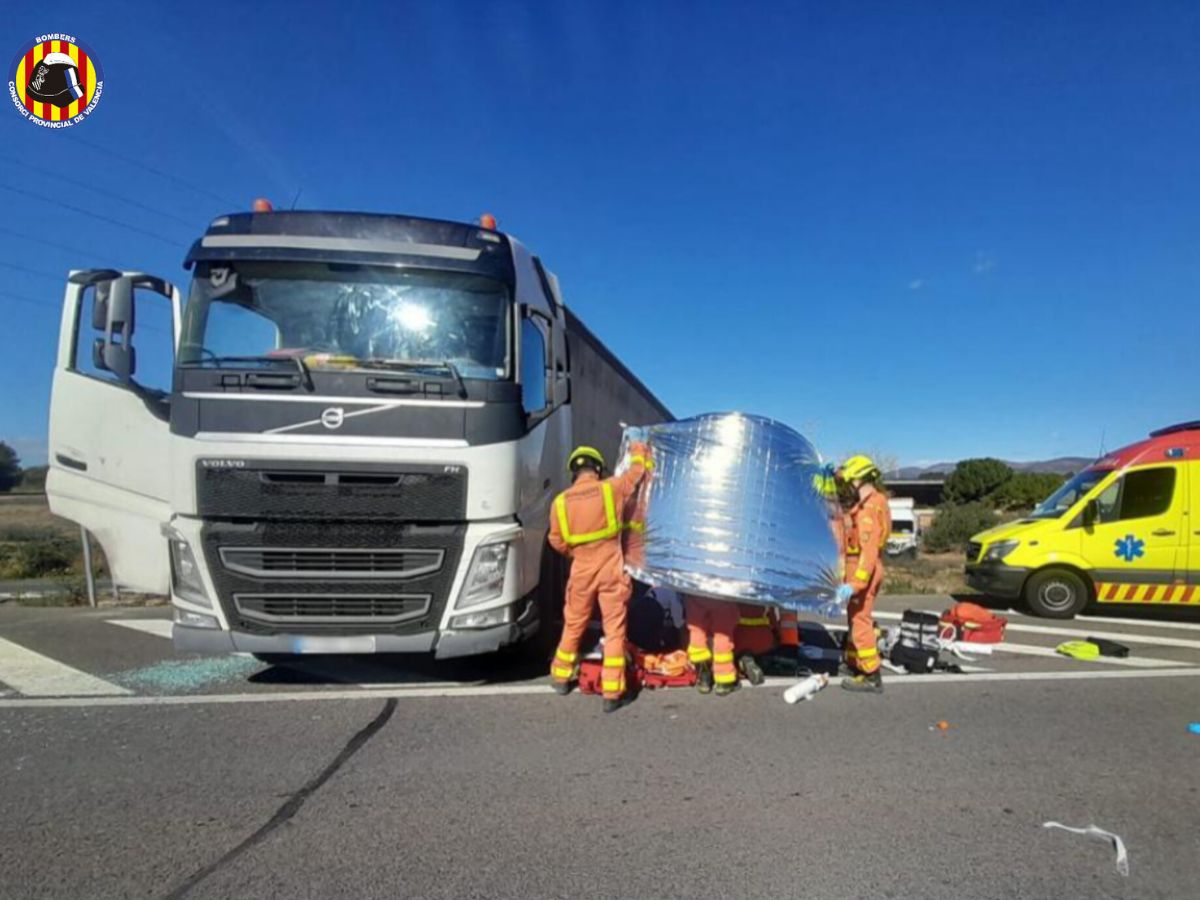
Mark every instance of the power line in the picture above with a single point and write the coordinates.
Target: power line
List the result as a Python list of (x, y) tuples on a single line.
[(161, 174), (12, 232), (58, 176), (36, 302), (43, 198), (41, 273)]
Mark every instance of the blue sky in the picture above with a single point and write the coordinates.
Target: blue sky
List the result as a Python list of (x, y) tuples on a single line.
[(925, 230)]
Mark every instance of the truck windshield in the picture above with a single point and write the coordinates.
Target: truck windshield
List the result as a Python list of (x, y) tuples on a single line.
[(1069, 494), (334, 315)]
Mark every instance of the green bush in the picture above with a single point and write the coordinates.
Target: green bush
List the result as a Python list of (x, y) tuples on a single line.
[(975, 479), (1025, 490), (36, 559), (954, 524)]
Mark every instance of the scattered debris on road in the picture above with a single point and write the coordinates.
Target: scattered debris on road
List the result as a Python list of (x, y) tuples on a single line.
[(1100, 834)]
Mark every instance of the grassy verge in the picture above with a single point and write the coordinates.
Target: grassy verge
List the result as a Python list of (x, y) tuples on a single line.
[(933, 573)]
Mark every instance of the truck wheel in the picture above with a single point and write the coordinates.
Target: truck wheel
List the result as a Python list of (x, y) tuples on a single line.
[(1056, 594)]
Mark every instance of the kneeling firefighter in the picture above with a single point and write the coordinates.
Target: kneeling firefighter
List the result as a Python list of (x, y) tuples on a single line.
[(586, 525), (867, 524)]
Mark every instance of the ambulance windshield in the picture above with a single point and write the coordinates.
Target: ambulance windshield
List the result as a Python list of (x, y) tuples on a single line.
[(1069, 494)]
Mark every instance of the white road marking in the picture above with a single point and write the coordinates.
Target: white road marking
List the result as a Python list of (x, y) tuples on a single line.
[(34, 675), (1145, 623), (157, 627), (1119, 636), (544, 689), (1137, 662)]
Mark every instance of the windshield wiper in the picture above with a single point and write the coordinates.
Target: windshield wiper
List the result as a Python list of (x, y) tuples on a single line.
[(418, 364), (301, 365)]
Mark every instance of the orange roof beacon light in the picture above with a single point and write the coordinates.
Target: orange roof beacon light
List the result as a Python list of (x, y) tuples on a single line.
[(262, 204), (488, 221)]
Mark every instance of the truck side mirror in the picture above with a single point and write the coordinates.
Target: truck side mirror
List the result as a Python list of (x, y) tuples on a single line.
[(1091, 513), (113, 313)]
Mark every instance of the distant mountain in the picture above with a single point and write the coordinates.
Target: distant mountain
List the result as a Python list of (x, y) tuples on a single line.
[(1062, 465)]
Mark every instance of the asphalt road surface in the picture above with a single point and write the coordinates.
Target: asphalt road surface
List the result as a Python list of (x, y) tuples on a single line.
[(128, 772)]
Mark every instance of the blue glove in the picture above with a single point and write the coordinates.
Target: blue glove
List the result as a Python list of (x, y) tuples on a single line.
[(844, 593)]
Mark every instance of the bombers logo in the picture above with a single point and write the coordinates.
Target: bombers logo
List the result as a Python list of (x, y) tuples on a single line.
[(55, 81)]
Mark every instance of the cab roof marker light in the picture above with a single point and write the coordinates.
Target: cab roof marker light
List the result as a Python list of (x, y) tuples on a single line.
[(488, 221), (263, 205), (219, 223)]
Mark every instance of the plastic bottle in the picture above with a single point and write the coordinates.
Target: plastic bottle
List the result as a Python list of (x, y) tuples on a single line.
[(805, 688)]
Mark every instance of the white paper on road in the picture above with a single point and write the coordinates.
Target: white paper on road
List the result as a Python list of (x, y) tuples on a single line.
[(34, 675), (1100, 834)]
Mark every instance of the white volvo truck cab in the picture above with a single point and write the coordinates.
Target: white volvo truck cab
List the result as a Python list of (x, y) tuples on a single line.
[(368, 417)]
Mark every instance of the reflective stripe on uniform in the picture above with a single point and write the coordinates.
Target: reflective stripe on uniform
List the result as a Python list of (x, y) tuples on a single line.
[(610, 686), (562, 671), (614, 662), (639, 527), (862, 575), (646, 463), (725, 677), (566, 655), (760, 622), (864, 653), (699, 654), (721, 658), (611, 526)]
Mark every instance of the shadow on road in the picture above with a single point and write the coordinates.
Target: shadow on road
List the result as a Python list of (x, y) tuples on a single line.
[(387, 668)]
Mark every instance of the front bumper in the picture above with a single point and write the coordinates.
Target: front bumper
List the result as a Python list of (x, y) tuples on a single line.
[(996, 579), (445, 645)]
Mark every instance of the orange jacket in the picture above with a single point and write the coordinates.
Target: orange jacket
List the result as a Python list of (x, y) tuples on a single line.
[(868, 524), (587, 518)]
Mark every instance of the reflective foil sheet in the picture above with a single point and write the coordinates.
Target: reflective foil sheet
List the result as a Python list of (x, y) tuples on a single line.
[(733, 510)]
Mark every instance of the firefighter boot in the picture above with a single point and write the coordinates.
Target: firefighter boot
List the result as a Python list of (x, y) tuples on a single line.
[(704, 677), (725, 688), (865, 684), (751, 670)]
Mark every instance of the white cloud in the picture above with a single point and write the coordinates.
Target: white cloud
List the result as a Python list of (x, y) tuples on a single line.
[(984, 262)]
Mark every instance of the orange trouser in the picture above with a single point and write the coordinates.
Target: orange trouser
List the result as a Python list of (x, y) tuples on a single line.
[(861, 652), (585, 587), (715, 620), (755, 630)]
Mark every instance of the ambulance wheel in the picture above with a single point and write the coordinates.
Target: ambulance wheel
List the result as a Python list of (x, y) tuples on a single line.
[(1056, 594)]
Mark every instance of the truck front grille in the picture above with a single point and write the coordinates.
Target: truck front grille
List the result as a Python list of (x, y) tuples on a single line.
[(343, 578), (331, 608), (330, 562)]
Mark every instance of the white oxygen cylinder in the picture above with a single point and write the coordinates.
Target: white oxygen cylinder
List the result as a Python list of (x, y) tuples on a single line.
[(805, 688)]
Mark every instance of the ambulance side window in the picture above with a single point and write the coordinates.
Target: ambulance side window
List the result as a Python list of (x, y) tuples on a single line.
[(1138, 495)]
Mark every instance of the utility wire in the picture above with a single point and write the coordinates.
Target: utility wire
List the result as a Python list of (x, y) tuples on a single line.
[(12, 232), (45, 199), (36, 302), (161, 174), (40, 273), (58, 176)]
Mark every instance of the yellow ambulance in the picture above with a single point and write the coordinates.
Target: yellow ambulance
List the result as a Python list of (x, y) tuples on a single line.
[(1124, 530)]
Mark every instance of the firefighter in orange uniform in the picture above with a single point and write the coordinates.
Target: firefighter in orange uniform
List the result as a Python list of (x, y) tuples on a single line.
[(586, 525), (867, 525), (712, 621), (755, 636)]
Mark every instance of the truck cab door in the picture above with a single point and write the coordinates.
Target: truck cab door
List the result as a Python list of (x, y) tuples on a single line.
[(110, 435), (1138, 529)]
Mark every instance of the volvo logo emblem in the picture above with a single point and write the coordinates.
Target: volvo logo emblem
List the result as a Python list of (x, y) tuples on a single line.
[(333, 417)]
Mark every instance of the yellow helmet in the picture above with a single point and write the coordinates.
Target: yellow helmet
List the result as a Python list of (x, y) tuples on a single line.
[(858, 468), (581, 453)]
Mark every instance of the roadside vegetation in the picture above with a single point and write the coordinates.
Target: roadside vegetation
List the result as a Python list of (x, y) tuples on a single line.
[(981, 493)]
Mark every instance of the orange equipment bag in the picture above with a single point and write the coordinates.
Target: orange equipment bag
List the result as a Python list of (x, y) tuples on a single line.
[(974, 624), (650, 670)]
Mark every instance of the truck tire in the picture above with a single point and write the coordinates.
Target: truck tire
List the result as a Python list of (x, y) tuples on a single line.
[(1056, 594)]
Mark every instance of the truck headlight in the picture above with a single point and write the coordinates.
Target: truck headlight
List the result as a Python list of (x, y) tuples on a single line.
[(485, 577), (186, 581), (999, 550)]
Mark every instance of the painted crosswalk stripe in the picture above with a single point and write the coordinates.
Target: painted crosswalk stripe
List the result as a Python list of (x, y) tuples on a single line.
[(1136, 662), (1142, 623), (34, 675), (157, 627)]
